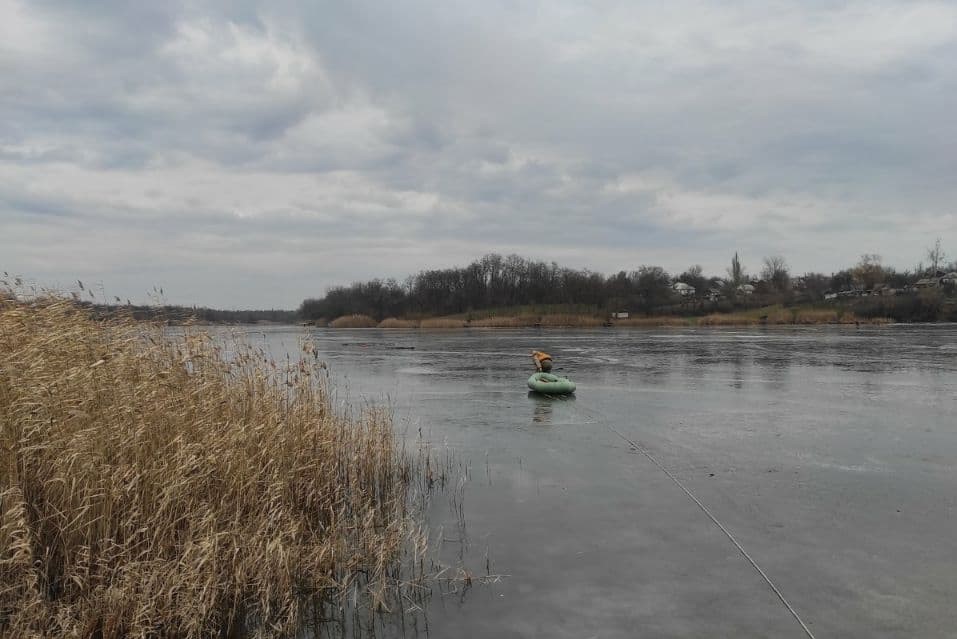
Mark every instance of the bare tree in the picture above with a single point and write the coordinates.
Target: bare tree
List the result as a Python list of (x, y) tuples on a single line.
[(653, 286), (815, 285), (776, 272), (936, 256), (869, 270)]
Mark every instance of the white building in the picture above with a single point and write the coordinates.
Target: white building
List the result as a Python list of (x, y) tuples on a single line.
[(682, 289)]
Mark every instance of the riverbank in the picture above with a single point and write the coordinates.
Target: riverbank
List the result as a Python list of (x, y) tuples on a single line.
[(768, 315), (149, 486)]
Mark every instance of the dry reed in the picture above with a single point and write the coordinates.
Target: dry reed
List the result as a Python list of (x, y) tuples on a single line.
[(393, 322), (149, 487), (499, 321), (652, 322), (781, 316), (571, 320), (816, 316), (727, 319), (441, 322), (551, 320), (353, 321)]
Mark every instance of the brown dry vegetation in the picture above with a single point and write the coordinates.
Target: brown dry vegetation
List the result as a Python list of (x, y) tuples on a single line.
[(393, 322), (441, 322), (571, 320), (780, 316), (150, 488), (773, 315), (819, 316), (651, 322), (499, 321), (727, 319), (566, 320), (353, 321)]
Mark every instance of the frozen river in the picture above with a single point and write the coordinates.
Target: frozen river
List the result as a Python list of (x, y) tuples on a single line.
[(829, 453)]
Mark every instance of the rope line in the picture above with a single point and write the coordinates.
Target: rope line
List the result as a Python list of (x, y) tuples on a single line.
[(641, 449)]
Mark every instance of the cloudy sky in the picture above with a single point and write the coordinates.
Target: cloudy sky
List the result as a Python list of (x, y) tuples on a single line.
[(249, 154)]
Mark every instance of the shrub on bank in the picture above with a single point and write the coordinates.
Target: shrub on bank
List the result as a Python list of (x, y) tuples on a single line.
[(926, 306)]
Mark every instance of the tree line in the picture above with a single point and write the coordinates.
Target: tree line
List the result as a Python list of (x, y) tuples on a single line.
[(184, 314), (496, 281)]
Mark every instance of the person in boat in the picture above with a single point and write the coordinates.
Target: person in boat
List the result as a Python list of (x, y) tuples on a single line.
[(543, 361)]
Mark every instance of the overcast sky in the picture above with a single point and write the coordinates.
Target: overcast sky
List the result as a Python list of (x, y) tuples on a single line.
[(249, 154)]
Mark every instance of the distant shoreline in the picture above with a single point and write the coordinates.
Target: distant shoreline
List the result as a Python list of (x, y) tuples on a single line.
[(531, 317), (771, 316)]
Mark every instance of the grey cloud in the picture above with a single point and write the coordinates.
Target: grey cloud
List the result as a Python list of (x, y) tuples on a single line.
[(618, 133)]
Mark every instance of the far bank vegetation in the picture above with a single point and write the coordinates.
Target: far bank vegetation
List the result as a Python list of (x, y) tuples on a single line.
[(356, 320), (512, 292)]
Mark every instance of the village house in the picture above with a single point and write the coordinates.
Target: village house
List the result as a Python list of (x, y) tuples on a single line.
[(684, 290)]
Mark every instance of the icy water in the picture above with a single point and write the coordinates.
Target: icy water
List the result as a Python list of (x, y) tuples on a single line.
[(829, 453)]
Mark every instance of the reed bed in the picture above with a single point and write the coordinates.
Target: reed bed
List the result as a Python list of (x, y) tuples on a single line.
[(571, 320), (780, 316), (652, 322), (353, 321), (500, 321), (392, 322), (727, 319), (441, 322), (155, 486), (817, 316), (552, 320)]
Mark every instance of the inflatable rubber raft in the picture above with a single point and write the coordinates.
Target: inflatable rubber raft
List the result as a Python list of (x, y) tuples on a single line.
[(549, 384)]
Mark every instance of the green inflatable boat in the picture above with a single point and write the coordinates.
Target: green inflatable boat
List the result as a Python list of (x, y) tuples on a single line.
[(549, 384)]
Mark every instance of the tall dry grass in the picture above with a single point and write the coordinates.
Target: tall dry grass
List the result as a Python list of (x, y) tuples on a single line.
[(652, 322), (727, 319), (150, 487), (781, 316), (353, 321), (571, 320), (552, 320), (392, 322), (499, 321), (441, 322), (816, 316)]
